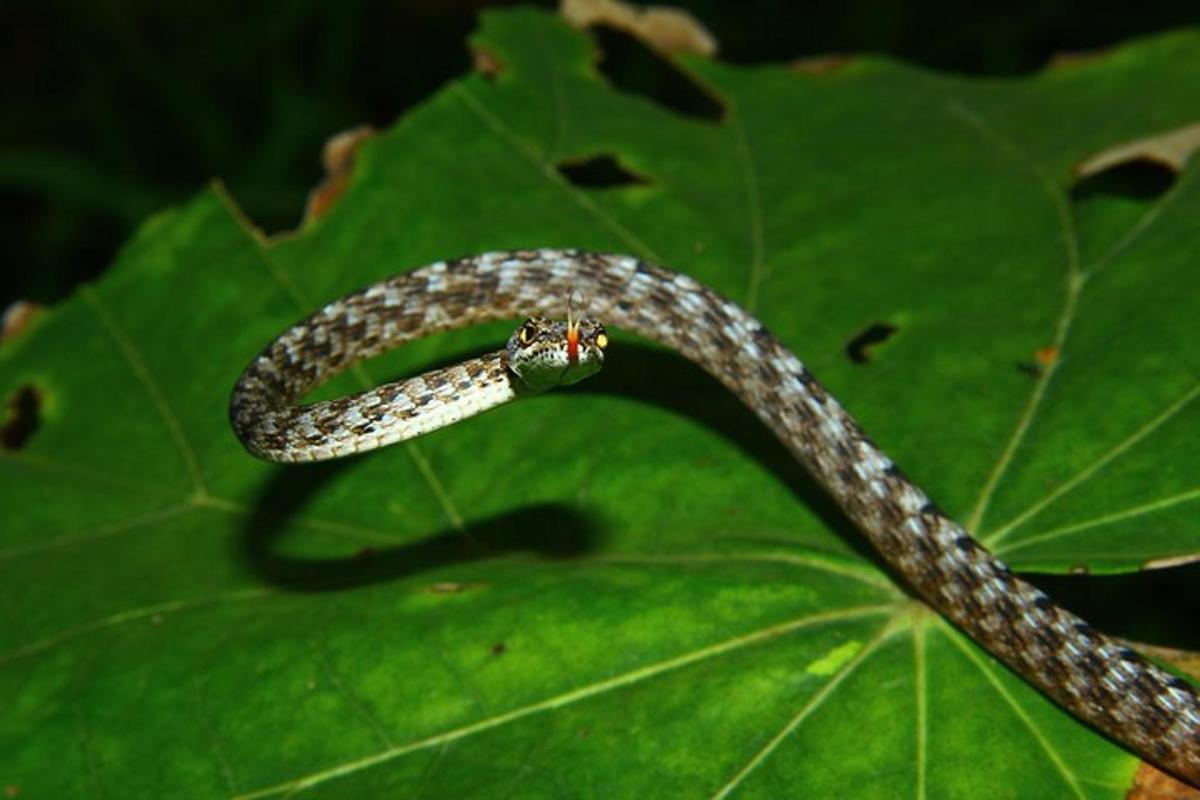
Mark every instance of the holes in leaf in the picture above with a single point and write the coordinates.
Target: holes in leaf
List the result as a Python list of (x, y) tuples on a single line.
[(1030, 368), (1111, 196), (1140, 179), (636, 69), (863, 345), (21, 417), (599, 172)]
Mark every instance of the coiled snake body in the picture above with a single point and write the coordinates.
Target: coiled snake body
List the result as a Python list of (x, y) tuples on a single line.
[(1145, 708)]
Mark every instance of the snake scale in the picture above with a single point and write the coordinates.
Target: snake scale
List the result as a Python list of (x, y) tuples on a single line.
[(1151, 712)]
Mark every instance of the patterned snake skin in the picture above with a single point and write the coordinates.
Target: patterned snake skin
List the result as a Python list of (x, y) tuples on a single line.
[(1149, 711)]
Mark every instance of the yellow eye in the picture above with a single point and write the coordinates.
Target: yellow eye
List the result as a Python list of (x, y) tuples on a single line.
[(527, 333), (602, 340)]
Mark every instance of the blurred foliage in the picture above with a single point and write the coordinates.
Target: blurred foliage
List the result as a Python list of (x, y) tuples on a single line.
[(114, 110)]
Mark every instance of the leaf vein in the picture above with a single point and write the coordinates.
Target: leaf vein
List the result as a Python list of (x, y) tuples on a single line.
[(548, 171), (922, 691), (1087, 472), (129, 615), (1143, 223), (567, 698), (846, 570), (95, 533), (215, 746), (1071, 779), (812, 705), (745, 158), (1105, 519), (557, 96), (1075, 280), (366, 381), (360, 707), (158, 399), (81, 473)]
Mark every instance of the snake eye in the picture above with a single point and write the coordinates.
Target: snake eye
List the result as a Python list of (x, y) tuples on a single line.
[(602, 339), (527, 333)]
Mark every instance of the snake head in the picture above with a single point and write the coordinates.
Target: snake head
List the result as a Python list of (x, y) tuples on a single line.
[(546, 353)]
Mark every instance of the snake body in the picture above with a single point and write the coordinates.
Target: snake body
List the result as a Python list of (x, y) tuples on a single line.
[(1151, 712)]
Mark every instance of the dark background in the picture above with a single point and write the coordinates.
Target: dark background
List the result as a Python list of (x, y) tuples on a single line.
[(113, 110)]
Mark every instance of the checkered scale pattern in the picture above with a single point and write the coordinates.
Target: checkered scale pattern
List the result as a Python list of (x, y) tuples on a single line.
[(1145, 708)]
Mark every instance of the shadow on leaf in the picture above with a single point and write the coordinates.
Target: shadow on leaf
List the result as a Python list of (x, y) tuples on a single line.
[(662, 378), (547, 530), (641, 373)]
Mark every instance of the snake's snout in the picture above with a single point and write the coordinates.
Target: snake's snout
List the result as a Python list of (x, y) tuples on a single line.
[(546, 353)]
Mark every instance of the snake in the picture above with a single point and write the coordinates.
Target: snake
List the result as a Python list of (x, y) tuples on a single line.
[(1141, 706)]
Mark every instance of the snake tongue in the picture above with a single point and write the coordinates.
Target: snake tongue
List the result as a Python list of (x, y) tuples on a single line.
[(573, 344)]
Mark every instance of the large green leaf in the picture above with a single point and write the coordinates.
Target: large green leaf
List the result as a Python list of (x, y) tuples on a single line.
[(628, 588)]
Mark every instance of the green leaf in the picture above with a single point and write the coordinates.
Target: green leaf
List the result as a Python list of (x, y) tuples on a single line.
[(627, 588)]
